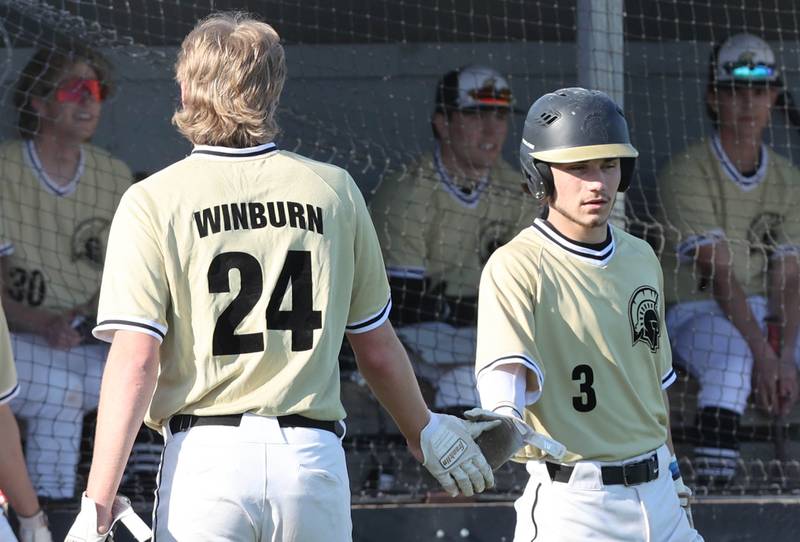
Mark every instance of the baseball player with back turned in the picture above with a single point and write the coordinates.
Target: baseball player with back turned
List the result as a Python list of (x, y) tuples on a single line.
[(230, 280), (571, 339)]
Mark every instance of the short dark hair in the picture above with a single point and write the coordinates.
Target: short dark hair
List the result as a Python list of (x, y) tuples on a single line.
[(41, 75)]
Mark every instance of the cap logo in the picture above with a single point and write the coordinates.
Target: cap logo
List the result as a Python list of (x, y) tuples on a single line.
[(489, 93), (747, 57)]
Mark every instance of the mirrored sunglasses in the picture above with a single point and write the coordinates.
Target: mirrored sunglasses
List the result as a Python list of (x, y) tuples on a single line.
[(751, 72), (75, 90)]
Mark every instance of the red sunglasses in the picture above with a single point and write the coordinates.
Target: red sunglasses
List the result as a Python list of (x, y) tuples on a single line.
[(75, 90)]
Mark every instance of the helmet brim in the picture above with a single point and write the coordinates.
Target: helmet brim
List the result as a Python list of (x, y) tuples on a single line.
[(582, 154)]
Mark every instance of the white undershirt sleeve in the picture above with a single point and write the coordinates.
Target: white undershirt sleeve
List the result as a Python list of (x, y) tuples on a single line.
[(502, 389)]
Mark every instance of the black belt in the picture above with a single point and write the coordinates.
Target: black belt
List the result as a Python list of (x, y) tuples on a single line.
[(630, 474), (182, 422)]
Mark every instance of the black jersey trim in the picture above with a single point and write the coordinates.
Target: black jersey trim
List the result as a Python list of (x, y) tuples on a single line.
[(746, 183), (230, 152), (9, 394), (527, 362), (668, 379), (119, 324), (597, 254), (372, 322)]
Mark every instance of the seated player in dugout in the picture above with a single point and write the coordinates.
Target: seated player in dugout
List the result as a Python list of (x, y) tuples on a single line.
[(58, 196), (571, 340), (440, 219), (730, 258), (230, 281)]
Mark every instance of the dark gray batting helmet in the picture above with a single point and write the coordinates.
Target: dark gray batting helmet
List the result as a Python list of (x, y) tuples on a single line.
[(573, 125)]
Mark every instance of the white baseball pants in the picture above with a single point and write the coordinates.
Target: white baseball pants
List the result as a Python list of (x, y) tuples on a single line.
[(57, 389), (714, 351), (256, 482), (586, 509)]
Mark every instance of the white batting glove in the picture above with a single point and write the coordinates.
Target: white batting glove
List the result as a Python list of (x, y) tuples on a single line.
[(526, 435), (452, 457), (85, 527), (34, 528), (684, 493)]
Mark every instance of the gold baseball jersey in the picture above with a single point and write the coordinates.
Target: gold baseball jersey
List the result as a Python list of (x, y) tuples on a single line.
[(588, 323), (53, 237), (249, 264), (704, 198), (8, 373), (429, 227)]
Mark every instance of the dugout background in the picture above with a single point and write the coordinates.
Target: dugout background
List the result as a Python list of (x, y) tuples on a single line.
[(360, 92)]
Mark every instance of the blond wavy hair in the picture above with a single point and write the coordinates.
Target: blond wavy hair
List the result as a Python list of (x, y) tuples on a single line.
[(231, 69)]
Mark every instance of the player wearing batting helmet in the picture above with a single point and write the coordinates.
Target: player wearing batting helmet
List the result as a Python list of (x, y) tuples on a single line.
[(231, 278), (571, 339), (732, 234)]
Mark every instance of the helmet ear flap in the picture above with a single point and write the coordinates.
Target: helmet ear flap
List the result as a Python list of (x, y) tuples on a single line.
[(539, 177), (546, 175)]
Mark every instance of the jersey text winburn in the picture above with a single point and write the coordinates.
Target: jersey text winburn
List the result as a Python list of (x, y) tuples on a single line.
[(255, 215)]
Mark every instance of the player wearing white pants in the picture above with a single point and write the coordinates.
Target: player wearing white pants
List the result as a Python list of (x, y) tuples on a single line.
[(255, 481), (728, 206), (572, 340), (584, 508), (714, 351), (230, 281), (58, 387)]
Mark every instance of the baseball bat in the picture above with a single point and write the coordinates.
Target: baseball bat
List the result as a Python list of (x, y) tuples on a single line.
[(775, 340)]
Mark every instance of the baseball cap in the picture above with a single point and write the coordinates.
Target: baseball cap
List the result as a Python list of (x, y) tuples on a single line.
[(473, 87), (745, 59)]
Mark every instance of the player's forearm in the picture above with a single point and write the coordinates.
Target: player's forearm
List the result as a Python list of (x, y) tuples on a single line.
[(383, 362), (128, 383), (13, 474), (23, 318)]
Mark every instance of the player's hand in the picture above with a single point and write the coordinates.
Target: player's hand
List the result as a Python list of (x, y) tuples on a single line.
[(501, 443), (765, 376), (59, 331), (34, 528), (85, 528), (684, 493), (685, 498), (787, 384), (450, 454)]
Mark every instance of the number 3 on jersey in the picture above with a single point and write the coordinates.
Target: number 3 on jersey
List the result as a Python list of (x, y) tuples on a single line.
[(301, 320), (587, 400)]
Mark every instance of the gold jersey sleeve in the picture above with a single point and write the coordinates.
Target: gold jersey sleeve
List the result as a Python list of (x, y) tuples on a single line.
[(430, 227), (590, 326), (54, 237), (507, 316), (8, 374), (249, 269), (701, 204)]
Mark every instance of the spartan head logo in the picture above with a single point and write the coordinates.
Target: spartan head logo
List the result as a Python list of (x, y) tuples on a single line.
[(87, 241), (492, 237), (643, 315)]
